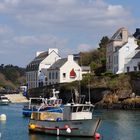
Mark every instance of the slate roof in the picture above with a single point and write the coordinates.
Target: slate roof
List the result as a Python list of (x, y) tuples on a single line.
[(34, 64), (137, 55), (138, 48), (58, 64)]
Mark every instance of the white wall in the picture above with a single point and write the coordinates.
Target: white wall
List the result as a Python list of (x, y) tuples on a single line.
[(49, 60), (131, 64), (66, 68), (128, 50)]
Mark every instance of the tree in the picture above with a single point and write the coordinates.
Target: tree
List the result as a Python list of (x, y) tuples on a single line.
[(103, 42), (138, 42)]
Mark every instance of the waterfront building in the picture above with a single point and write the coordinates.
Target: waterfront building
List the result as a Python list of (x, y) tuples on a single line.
[(64, 71), (122, 53), (36, 69)]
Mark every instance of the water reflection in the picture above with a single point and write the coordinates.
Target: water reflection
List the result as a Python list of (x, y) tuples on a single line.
[(50, 137), (115, 125)]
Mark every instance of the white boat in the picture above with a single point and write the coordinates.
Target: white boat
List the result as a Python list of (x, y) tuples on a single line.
[(76, 120), (4, 100)]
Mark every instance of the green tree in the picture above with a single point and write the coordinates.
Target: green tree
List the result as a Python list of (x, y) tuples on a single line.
[(138, 42)]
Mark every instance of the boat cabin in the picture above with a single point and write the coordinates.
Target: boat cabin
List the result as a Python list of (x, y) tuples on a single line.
[(54, 102), (78, 111), (34, 102)]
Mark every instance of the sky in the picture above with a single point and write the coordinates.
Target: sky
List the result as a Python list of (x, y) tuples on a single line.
[(28, 26)]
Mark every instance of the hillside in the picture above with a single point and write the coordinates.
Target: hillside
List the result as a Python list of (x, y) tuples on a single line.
[(11, 77)]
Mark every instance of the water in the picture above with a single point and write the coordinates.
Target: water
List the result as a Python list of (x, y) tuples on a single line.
[(115, 125)]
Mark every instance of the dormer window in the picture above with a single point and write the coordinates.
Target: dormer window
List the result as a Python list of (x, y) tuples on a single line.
[(119, 36)]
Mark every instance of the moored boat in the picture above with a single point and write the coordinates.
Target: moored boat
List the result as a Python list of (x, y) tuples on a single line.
[(4, 100), (43, 104), (76, 120)]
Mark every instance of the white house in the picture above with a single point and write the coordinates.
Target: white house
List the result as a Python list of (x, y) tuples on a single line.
[(122, 53), (133, 61), (64, 71), (36, 69)]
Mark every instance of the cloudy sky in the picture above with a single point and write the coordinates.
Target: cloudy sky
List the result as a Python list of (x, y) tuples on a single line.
[(28, 26)]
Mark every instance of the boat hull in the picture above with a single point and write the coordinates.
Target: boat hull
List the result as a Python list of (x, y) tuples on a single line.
[(4, 102), (82, 128), (27, 112)]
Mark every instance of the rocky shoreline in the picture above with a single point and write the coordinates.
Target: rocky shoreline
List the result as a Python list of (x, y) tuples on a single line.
[(128, 104)]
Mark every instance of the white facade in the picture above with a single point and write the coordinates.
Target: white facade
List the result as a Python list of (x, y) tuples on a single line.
[(121, 53), (124, 55), (64, 71), (46, 63), (36, 69)]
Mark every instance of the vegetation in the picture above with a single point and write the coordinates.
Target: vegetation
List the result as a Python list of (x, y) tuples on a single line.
[(119, 86), (96, 59), (11, 76)]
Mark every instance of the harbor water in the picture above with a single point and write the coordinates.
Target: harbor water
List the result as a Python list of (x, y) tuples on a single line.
[(115, 125)]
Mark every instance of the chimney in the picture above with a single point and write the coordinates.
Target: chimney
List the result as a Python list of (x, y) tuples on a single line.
[(70, 57), (38, 53), (124, 32)]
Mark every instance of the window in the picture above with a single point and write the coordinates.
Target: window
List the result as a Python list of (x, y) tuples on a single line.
[(128, 68), (139, 66), (49, 75), (56, 75), (64, 75), (135, 68), (119, 36)]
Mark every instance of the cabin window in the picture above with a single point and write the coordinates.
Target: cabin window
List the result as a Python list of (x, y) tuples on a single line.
[(86, 108), (74, 109), (79, 108)]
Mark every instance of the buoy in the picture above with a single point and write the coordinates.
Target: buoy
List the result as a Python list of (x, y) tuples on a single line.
[(66, 126), (32, 126), (3, 117), (57, 131), (68, 130), (97, 136)]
